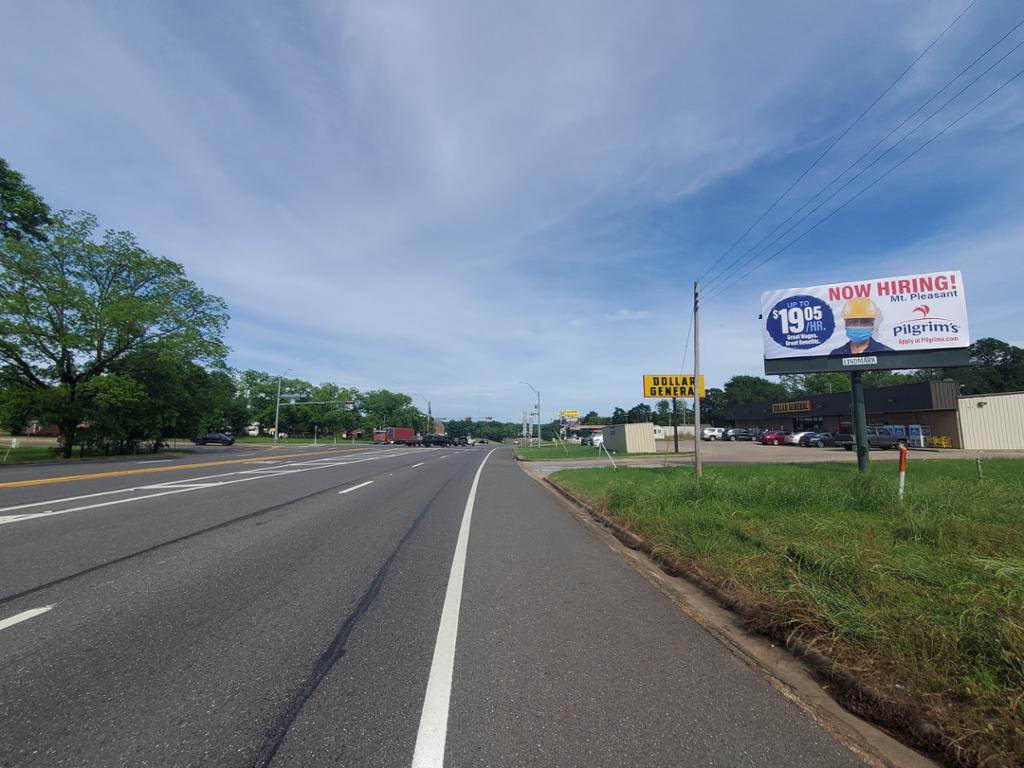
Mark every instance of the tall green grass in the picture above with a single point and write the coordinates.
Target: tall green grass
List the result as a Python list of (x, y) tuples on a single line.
[(924, 595)]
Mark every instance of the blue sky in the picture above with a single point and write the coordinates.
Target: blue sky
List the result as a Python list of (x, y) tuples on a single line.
[(452, 197)]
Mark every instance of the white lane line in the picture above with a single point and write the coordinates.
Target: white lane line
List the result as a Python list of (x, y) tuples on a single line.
[(152, 461), (416, 465), (23, 616), (357, 487), (32, 515), (183, 485), (433, 731)]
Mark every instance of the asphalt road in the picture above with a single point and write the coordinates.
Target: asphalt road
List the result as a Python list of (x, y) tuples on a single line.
[(351, 606)]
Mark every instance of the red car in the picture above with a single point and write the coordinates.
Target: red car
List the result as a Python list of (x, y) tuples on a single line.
[(774, 438)]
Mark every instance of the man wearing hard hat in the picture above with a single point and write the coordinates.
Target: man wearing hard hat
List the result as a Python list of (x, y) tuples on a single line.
[(862, 319)]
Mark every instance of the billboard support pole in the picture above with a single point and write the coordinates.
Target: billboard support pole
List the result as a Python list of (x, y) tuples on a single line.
[(675, 427), (698, 465), (860, 421)]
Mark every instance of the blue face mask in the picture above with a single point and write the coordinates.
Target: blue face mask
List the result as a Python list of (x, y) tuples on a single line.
[(859, 334)]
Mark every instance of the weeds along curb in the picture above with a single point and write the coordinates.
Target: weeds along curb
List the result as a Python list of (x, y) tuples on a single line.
[(856, 696)]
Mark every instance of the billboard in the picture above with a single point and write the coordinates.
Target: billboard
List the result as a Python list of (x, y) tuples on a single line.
[(913, 321), (664, 385)]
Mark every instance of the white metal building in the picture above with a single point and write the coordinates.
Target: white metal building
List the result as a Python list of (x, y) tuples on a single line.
[(630, 438), (992, 422)]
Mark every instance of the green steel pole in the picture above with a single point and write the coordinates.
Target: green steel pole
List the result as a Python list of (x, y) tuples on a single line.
[(675, 427), (860, 422)]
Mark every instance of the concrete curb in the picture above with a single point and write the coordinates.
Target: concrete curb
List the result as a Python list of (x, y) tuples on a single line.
[(840, 684)]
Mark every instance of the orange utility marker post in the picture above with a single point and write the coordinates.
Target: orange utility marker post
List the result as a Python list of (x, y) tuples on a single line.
[(903, 469)]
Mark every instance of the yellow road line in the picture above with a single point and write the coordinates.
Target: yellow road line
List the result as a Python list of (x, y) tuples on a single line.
[(147, 470)]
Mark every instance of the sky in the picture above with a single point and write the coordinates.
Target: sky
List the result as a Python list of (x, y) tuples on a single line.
[(452, 198)]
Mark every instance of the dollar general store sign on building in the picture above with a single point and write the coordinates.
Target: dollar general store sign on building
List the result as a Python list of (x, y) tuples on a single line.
[(670, 385)]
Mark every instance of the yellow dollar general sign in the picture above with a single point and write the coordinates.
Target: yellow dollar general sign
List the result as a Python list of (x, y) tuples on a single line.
[(670, 385), (569, 414)]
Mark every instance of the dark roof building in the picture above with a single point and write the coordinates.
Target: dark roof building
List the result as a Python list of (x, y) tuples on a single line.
[(930, 404)]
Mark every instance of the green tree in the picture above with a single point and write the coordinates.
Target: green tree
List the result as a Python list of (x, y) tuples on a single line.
[(808, 384), (23, 214), (713, 407), (619, 416), (641, 412), (72, 306), (753, 389), (663, 413), (996, 366)]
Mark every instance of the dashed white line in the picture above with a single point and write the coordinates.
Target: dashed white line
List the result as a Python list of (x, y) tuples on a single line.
[(24, 616), (433, 730), (183, 485), (416, 465), (356, 487)]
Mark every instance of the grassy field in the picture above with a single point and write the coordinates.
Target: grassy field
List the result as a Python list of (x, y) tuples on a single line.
[(923, 599), (27, 453)]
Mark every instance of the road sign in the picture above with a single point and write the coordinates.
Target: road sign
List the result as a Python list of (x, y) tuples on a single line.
[(670, 385)]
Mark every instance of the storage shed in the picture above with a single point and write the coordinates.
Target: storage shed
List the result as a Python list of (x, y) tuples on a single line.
[(630, 438)]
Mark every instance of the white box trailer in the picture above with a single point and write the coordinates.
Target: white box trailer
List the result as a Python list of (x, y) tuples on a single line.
[(630, 438)]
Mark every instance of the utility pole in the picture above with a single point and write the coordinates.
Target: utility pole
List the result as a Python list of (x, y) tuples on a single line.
[(675, 427), (698, 465), (538, 407), (860, 421), (277, 408), (430, 413)]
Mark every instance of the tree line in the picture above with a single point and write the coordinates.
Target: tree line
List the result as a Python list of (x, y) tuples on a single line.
[(119, 349), (996, 366)]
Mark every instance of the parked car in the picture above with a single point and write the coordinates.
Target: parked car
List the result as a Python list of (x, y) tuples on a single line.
[(596, 439), (737, 434), (219, 438), (712, 433), (774, 437), (878, 437), (817, 439), (794, 437)]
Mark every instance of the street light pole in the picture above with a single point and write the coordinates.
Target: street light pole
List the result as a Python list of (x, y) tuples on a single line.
[(277, 408), (430, 413), (538, 407)]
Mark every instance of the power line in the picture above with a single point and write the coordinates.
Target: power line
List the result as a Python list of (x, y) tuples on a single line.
[(686, 347), (866, 188), (835, 141), (739, 265), (740, 260)]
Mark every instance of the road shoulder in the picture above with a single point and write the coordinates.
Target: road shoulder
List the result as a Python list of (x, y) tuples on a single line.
[(786, 672)]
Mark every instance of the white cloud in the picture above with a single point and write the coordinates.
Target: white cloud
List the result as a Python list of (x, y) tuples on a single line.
[(451, 198)]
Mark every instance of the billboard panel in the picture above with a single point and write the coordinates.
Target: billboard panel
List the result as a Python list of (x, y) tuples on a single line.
[(663, 385), (878, 323)]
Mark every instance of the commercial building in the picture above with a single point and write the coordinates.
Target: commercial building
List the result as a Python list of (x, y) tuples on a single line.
[(927, 409), (993, 421)]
